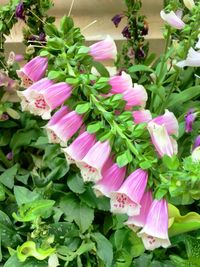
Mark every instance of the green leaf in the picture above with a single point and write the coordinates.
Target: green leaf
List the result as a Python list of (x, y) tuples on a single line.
[(94, 127), (82, 108), (13, 261), (7, 178), (172, 163), (77, 211), (23, 195), (136, 68), (124, 159), (104, 248), (56, 75), (101, 69), (66, 24), (51, 30), (76, 184), (186, 95)]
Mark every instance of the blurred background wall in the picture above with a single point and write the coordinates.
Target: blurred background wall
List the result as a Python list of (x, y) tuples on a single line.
[(85, 12)]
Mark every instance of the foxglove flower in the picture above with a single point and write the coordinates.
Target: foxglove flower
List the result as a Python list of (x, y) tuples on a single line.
[(189, 120), (136, 96), (103, 50), (155, 231), (138, 221), (169, 121), (79, 147), (163, 143), (19, 12), (140, 53), (27, 95), (189, 4), (92, 164), (64, 128), (172, 19), (196, 142), (117, 19), (120, 83), (111, 181), (141, 116), (33, 71), (126, 33), (127, 198), (46, 100), (192, 59)]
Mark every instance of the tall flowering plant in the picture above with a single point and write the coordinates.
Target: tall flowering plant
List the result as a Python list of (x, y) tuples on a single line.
[(112, 156)]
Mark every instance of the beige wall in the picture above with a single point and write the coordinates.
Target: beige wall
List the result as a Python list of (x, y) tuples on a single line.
[(85, 12)]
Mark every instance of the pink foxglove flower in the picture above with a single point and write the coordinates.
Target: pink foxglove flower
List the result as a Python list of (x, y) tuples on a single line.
[(111, 181), (103, 50), (155, 231), (46, 100), (141, 116), (163, 143), (120, 83), (92, 164), (169, 121), (189, 120), (79, 147), (62, 130), (172, 19), (27, 95), (33, 71), (136, 96), (53, 138), (127, 198), (138, 221), (192, 59)]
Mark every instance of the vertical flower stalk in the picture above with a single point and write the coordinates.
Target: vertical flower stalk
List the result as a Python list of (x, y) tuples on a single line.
[(127, 198), (155, 231)]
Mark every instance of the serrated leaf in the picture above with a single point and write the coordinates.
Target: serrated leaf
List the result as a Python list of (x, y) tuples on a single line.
[(76, 184), (7, 177), (23, 195)]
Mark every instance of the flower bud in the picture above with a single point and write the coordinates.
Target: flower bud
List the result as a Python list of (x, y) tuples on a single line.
[(189, 4)]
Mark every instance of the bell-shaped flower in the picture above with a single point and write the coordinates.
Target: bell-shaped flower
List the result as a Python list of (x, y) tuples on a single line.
[(189, 120), (196, 142), (141, 116), (127, 198), (173, 19), (120, 83), (33, 71), (155, 231), (117, 19), (169, 121), (79, 147), (163, 143), (138, 221), (189, 4), (27, 95), (62, 130), (112, 179), (92, 164), (136, 96), (45, 100), (192, 59), (103, 50)]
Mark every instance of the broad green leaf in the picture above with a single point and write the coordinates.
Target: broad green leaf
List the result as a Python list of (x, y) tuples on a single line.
[(76, 184), (101, 69), (7, 177), (124, 159), (104, 248), (23, 195), (13, 261), (94, 127), (82, 108), (51, 30)]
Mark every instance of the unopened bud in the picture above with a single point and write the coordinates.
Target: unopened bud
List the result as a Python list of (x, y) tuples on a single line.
[(189, 4)]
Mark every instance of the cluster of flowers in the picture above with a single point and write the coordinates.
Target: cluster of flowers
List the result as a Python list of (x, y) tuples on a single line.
[(94, 158)]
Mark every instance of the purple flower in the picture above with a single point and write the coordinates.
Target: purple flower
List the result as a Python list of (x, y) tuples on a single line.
[(42, 37), (145, 29), (140, 53), (19, 12), (9, 156), (126, 33), (189, 120), (116, 19)]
